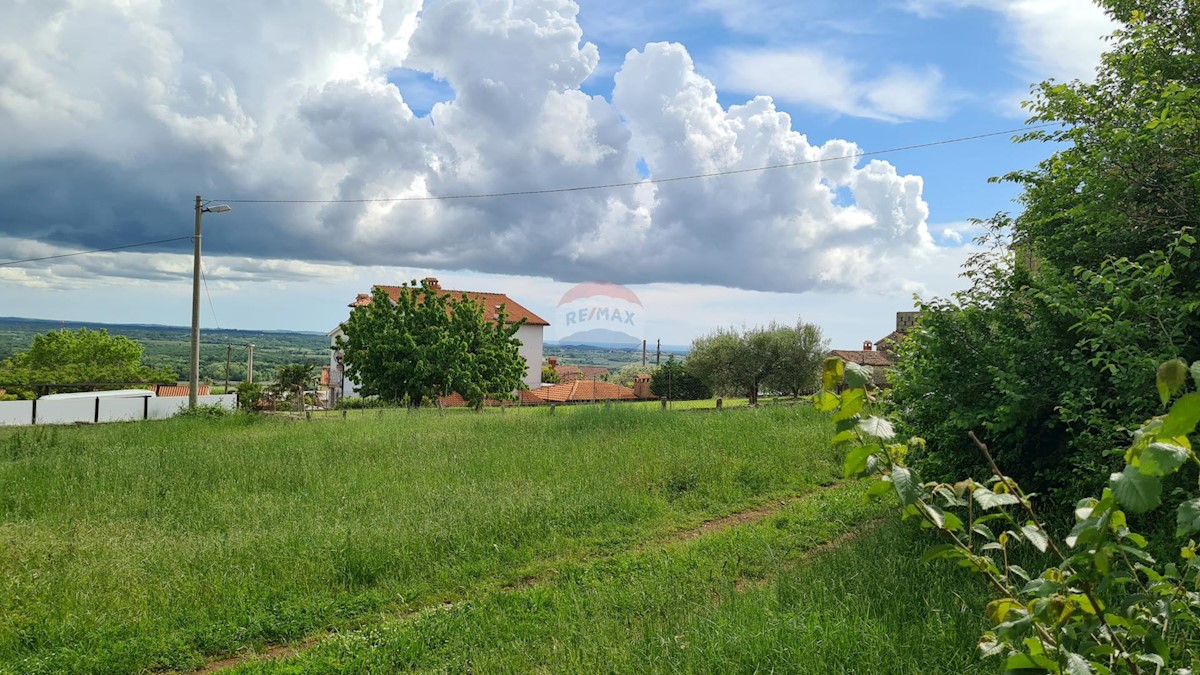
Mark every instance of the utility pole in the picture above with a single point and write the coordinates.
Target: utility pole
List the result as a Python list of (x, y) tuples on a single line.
[(250, 365), (658, 353), (228, 357), (643, 353), (194, 375)]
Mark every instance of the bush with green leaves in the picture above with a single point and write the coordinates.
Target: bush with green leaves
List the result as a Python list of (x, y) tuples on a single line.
[(205, 412), (428, 343), (1103, 604), (250, 396), (674, 381), (1085, 289)]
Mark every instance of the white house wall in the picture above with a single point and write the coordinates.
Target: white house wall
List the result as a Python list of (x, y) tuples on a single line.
[(531, 351)]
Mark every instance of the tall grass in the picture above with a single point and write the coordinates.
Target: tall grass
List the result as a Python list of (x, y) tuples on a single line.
[(128, 547), (762, 598)]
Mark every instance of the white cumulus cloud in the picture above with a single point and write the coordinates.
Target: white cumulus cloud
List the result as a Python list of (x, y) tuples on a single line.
[(114, 113)]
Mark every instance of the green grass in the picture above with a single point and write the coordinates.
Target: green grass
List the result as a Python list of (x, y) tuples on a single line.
[(128, 547), (752, 599)]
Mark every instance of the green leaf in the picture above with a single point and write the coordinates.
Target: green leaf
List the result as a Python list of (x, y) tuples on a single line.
[(905, 484), (852, 403), (1171, 377), (1077, 665), (942, 551), (1024, 663), (825, 401), (952, 522), (1161, 459), (990, 500), (1184, 415), (856, 460), (877, 427), (1135, 490), (1187, 518), (857, 375), (878, 489), (1034, 535), (1196, 373), (831, 373)]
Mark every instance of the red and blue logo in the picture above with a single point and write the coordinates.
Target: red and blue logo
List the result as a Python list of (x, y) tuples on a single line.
[(601, 314)]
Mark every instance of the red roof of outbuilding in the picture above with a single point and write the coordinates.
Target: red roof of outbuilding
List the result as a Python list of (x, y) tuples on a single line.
[(491, 302), (584, 390)]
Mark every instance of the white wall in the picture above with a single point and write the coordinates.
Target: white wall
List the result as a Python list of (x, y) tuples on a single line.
[(122, 409), (71, 411), (16, 412), (335, 370), (531, 351)]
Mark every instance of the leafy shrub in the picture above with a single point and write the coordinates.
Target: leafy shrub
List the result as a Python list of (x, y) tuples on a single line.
[(674, 381), (1104, 604), (205, 412), (250, 396), (357, 403)]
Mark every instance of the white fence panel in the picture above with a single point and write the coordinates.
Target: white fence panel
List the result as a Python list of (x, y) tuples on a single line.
[(166, 406), (16, 412), (66, 411), (122, 409), (224, 400)]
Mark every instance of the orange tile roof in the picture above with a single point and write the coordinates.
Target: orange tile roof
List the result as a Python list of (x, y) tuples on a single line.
[(490, 301), (584, 390), (863, 358), (180, 390)]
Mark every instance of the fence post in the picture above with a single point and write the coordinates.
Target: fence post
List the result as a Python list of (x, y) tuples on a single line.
[(663, 401), (719, 401), (96, 419), (33, 421)]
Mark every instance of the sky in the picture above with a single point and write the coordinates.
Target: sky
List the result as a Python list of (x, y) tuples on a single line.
[(115, 114)]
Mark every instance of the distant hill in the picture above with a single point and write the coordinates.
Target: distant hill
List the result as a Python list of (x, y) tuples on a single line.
[(170, 346)]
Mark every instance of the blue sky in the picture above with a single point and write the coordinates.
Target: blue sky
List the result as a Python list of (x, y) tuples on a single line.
[(107, 137)]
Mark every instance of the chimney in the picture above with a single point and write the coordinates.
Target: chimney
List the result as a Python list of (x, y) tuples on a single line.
[(432, 282), (867, 345), (553, 361), (641, 386)]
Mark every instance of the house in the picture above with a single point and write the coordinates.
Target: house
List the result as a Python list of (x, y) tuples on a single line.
[(180, 390), (568, 373), (529, 334), (880, 355), (583, 391), (904, 323)]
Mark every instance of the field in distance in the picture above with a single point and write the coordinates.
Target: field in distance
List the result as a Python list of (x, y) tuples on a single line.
[(594, 538)]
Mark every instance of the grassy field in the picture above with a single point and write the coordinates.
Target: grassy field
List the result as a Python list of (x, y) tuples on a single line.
[(553, 539)]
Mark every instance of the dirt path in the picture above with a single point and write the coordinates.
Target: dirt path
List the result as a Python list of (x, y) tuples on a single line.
[(715, 525)]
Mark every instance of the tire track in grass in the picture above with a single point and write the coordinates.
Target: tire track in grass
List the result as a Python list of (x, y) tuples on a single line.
[(548, 572)]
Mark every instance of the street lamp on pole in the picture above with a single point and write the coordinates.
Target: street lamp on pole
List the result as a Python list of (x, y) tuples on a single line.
[(194, 375)]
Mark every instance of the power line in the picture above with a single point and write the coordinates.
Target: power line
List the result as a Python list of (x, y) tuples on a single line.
[(204, 278), (647, 181), (98, 250)]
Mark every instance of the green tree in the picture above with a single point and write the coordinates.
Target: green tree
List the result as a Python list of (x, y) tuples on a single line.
[(804, 348), (627, 374), (87, 357), (732, 361), (296, 376), (549, 375), (428, 344), (675, 381), (1089, 286)]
